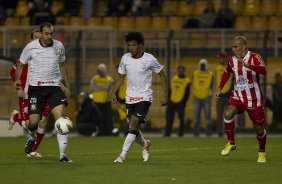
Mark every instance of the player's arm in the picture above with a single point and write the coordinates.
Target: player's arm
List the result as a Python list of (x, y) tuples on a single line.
[(224, 78), (164, 87), (118, 83), (258, 66), (64, 73), (19, 70)]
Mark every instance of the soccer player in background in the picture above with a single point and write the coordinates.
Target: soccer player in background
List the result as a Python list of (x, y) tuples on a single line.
[(138, 66), (246, 66), (21, 117), (47, 69)]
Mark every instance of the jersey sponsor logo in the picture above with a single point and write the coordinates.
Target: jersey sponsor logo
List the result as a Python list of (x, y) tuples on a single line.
[(241, 80), (41, 82), (135, 99), (139, 114)]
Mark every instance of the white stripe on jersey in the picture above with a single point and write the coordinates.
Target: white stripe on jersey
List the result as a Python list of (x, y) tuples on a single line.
[(235, 64), (43, 63), (256, 86), (245, 74)]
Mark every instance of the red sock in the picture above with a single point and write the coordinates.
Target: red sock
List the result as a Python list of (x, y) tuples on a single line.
[(39, 137), (18, 119), (229, 129), (262, 142)]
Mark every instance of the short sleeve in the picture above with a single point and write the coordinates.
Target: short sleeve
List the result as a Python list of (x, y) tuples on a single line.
[(156, 66), (121, 67), (25, 55), (62, 54)]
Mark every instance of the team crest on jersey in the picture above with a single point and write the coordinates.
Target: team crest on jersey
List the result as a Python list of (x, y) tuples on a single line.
[(57, 50), (241, 80), (144, 65)]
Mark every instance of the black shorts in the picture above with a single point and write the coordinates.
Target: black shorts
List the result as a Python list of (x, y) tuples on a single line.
[(38, 96), (139, 110)]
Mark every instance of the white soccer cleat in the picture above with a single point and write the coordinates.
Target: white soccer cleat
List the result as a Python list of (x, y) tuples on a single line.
[(119, 159), (145, 151), (34, 154), (11, 121)]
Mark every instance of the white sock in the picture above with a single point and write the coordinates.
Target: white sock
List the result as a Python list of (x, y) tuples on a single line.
[(127, 144), (30, 135), (140, 139), (40, 130), (63, 143), (24, 124)]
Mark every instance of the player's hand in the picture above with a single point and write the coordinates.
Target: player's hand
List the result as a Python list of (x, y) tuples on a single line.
[(114, 99), (217, 94), (18, 84), (242, 61), (68, 92), (20, 93)]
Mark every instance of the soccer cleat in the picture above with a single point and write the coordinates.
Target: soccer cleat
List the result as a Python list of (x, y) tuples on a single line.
[(145, 152), (228, 147), (28, 146), (119, 159), (65, 159), (261, 157), (11, 121), (34, 154)]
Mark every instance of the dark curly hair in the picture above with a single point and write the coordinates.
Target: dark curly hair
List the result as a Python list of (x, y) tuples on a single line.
[(135, 36)]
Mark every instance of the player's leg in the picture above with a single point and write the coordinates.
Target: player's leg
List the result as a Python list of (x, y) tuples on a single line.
[(257, 116), (41, 128), (20, 117), (229, 124), (57, 102), (130, 138)]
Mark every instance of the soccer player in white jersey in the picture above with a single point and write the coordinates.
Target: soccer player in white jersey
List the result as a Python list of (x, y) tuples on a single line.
[(138, 66), (46, 61), (245, 66), (21, 117)]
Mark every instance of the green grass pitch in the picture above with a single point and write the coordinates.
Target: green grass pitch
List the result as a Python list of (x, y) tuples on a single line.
[(172, 161)]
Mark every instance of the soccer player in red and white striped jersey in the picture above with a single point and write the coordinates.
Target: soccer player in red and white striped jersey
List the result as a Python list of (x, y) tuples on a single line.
[(245, 66)]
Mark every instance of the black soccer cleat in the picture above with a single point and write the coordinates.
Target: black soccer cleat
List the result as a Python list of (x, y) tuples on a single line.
[(65, 159), (28, 146)]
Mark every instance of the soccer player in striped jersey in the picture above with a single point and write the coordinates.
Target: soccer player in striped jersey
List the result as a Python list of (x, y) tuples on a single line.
[(138, 66), (46, 64), (245, 66), (21, 117)]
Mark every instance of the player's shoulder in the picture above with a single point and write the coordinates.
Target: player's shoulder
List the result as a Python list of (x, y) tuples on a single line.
[(57, 43), (34, 43), (149, 56), (126, 55), (256, 56)]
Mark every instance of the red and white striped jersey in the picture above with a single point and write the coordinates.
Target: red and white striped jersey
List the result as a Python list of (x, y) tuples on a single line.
[(246, 80)]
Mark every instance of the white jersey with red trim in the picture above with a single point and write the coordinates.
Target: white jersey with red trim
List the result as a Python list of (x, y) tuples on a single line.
[(246, 81), (139, 76), (43, 63)]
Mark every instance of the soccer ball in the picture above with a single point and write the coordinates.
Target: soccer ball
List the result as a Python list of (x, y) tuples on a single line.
[(63, 125)]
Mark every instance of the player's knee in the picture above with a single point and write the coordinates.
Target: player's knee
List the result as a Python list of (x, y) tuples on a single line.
[(32, 127), (228, 115), (260, 130)]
